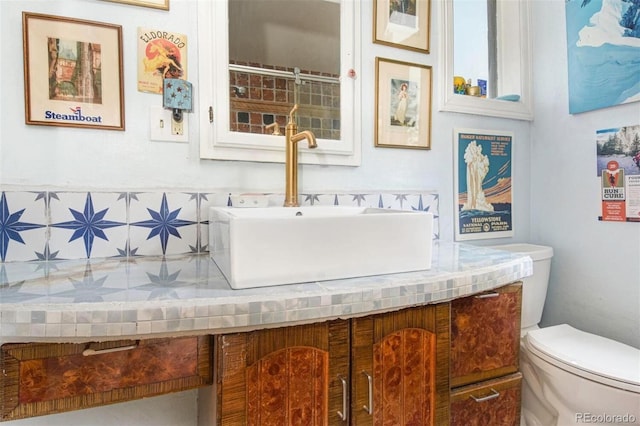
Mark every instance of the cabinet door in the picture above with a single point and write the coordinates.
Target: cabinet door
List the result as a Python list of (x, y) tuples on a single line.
[(400, 367), (485, 335), (284, 376), (492, 402)]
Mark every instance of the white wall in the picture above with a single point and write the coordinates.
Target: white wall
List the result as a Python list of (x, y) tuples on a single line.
[(595, 272)]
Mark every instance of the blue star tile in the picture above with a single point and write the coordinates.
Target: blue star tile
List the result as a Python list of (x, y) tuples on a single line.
[(88, 225), (163, 223), (11, 227), (359, 199)]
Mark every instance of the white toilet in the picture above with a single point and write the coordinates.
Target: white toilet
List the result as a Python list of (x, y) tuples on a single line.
[(571, 377)]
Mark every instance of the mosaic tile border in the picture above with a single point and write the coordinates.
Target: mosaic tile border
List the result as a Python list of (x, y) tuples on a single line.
[(62, 225)]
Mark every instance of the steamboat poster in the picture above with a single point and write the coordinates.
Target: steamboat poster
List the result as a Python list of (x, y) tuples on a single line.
[(482, 181), (161, 54)]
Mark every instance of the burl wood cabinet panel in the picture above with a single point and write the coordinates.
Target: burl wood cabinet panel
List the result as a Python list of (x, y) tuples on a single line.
[(485, 335), (283, 376), (493, 402), (405, 356), (47, 378)]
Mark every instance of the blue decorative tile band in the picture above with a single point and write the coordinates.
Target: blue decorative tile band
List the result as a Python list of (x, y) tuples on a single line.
[(63, 225)]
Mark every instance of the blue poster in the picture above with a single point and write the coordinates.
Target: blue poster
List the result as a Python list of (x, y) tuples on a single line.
[(483, 184), (603, 53)]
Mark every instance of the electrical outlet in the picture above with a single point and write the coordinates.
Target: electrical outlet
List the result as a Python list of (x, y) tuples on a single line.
[(163, 128), (177, 128)]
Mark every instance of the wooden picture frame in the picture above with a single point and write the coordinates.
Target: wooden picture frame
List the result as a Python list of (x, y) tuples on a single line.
[(156, 4), (73, 72), (405, 24), (403, 104)]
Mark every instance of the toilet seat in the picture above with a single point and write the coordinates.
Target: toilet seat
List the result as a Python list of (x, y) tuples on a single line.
[(587, 355)]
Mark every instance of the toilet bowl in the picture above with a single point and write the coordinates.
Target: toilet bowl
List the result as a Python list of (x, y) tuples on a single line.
[(571, 377), (583, 377)]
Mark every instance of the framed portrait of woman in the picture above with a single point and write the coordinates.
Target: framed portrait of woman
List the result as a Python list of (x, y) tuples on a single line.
[(403, 104)]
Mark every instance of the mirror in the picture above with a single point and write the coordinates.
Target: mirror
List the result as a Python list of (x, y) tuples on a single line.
[(287, 58), (486, 57), (301, 52)]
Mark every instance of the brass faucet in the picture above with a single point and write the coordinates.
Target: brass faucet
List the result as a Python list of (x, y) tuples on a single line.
[(291, 161)]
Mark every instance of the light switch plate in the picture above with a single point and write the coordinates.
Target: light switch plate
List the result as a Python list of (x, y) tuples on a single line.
[(162, 127)]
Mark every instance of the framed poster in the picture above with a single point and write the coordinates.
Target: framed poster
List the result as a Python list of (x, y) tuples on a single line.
[(73, 72), (403, 105), (156, 4), (402, 23), (603, 46), (618, 162), (482, 184), (161, 54)]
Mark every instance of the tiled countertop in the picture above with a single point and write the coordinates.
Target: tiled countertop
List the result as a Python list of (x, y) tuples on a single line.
[(110, 299)]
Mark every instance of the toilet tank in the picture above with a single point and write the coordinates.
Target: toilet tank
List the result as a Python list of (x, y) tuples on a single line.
[(534, 287)]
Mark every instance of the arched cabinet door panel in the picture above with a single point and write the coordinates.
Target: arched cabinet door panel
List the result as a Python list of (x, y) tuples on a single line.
[(399, 372), (282, 376)]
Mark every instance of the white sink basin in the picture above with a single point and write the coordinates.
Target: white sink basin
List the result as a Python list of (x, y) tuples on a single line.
[(259, 247)]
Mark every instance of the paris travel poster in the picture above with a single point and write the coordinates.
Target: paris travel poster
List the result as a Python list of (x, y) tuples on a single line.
[(482, 181)]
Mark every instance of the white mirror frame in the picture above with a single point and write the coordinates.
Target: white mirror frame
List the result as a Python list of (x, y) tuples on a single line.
[(218, 142), (514, 43)]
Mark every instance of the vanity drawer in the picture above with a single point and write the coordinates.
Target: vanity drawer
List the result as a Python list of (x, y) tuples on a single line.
[(492, 402), (485, 335), (45, 378)]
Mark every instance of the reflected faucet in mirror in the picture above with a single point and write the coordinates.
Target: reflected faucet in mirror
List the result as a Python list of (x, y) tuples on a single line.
[(273, 126), (292, 137)]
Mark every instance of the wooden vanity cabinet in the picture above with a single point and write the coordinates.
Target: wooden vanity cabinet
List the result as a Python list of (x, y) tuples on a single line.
[(45, 378), (485, 347), (386, 369)]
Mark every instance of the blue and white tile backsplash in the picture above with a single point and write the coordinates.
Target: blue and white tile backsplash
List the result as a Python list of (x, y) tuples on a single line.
[(57, 225)]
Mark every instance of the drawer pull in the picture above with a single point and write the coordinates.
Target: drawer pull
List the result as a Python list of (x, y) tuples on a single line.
[(345, 407), (91, 352), (369, 409), (487, 295), (493, 395)]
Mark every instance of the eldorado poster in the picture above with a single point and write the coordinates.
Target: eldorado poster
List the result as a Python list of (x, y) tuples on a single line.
[(161, 54)]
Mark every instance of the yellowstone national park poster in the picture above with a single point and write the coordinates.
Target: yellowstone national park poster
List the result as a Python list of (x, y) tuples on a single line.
[(482, 182)]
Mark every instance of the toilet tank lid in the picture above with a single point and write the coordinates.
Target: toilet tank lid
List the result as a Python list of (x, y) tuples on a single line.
[(536, 252), (588, 352)]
